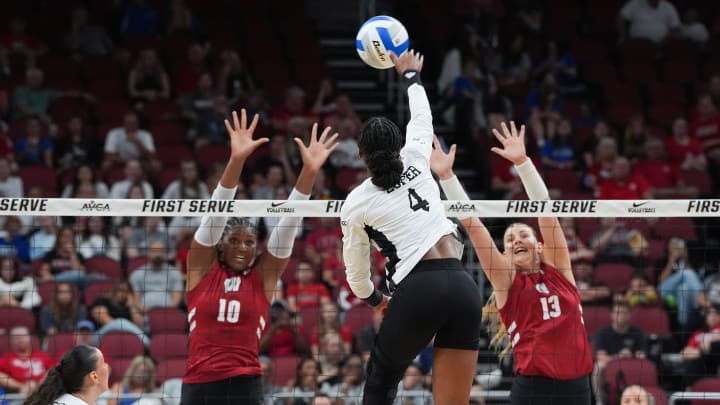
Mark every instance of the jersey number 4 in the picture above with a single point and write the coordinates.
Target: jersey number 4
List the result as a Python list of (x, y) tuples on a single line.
[(417, 202), (229, 311), (550, 307)]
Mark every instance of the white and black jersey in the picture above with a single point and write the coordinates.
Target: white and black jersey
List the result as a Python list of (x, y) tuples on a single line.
[(404, 221), (69, 399)]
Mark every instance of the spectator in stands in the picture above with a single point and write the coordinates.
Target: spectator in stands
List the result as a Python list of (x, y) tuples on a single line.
[(17, 290), (617, 341), (600, 130), (344, 111), (35, 147), (43, 240), (158, 284), (179, 18), (366, 337), (33, 98), (85, 39), (514, 65), (85, 175), (307, 293), (233, 79), (693, 28), (616, 243), (684, 152), (78, 146), (648, 19), (18, 41), (7, 149), (10, 186), (678, 282), (269, 388), (323, 241), (148, 79), (601, 170), (279, 156), (578, 249), (351, 382), (639, 293), (664, 178), (505, 183), (22, 368), (294, 106), (140, 378), (700, 355), (64, 312), (148, 230), (133, 175), (306, 382), (706, 128), (95, 238), (562, 66), (282, 337), (413, 381), (544, 108), (297, 127), (624, 185), (591, 292), (63, 262), (330, 356), (210, 129), (129, 142), (119, 311), (329, 322), (636, 395), (188, 74), (557, 152), (266, 184), (13, 243), (634, 139), (139, 18), (198, 104)]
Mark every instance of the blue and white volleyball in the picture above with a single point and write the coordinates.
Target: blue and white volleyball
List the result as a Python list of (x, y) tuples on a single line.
[(377, 37)]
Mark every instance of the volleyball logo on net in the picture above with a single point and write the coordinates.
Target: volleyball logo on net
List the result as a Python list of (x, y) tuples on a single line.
[(460, 207), (641, 207), (95, 206)]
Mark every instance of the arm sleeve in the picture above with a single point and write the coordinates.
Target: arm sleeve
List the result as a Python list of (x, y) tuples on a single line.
[(356, 253), (419, 133), (282, 238), (211, 228)]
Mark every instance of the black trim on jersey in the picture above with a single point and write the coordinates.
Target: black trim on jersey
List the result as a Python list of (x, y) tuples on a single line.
[(374, 299), (387, 249), (410, 77)]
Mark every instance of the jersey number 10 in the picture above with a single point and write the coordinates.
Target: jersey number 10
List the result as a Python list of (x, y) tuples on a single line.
[(229, 311)]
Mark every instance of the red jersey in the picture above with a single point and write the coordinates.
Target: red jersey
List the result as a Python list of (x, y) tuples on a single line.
[(707, 131), (658, 174), (697, 338), (677, 152), (24, 369), (307, 296), (634, 188), (227, 313), (544, 321)]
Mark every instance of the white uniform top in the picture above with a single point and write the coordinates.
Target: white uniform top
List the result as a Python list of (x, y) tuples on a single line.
[(69, 399), (404, 221)]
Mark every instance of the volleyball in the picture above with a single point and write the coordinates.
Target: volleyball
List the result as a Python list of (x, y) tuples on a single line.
[(377, 37)]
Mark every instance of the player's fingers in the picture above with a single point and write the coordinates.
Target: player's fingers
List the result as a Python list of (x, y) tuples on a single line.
[(500, 137), (228, 127), (332, 139), (236, 122), (254, 123), (313, 133)]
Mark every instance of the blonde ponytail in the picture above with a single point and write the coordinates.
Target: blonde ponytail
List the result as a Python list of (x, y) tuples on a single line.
[(496, 327)]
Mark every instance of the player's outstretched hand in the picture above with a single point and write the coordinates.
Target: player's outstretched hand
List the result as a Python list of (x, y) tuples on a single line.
[(410, 60), (513, 142), (441, 162), (242, 143), (320, 148)]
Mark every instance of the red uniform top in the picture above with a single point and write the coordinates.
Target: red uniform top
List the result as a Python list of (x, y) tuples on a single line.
[(707, 132), (698, 337), (227, 313), (634, 188), (24, 369), (544, 321)]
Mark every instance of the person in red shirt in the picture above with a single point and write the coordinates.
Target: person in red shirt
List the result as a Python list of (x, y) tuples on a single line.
[(306, 293), (683, 151), (228, 288), (701, 340), (623, 185), (664, 177), (323, 241), (22, 369), (706, 128), (600, 171), (283, 337), (329, 322), (294, 106), (534, 291)]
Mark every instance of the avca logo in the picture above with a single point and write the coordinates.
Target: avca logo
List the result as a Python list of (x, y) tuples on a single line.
[(95, 206), (461, 207)]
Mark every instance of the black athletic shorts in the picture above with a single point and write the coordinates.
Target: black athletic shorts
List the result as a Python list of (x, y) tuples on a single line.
[(536, 390), (239, 390)]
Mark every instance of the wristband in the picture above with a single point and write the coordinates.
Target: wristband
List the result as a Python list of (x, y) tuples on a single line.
[(411, 77), (374, 299)]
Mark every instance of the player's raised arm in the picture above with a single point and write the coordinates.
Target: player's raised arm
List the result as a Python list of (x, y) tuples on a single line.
[(419, 129)]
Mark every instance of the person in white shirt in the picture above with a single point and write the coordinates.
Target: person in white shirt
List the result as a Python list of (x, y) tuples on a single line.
[(128, 142), (10, 186), (133, 174), (648, 19), (399, 209), (16, 290), (79, 379)]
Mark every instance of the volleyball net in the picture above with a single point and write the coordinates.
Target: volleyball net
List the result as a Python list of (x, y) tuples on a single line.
[(658, 257)]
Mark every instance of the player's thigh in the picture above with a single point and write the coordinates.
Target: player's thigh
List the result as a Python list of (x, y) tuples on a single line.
[(453, 372)]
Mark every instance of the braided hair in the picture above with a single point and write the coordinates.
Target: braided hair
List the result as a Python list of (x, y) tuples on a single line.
[(380, 142)]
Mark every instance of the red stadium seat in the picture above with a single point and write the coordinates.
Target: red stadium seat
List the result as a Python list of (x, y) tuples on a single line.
[(595, 318), (135, 264), (65, 108), (212, 153), (617, 276), (666, 92), (680, 72), (161, 110), (656, 250), (310, 318), (622, 93), (620, 114), (708, 384), (99, 67), (41, 176), (632, 371), (171, 368), (167, 176), (587, 227), (651, 320), (599, 71), (121, 345), (698, 178), (284, 369), (57, 344), (97, 289), (665, 113), (16, 316), (106, 89), (105, 266), (346, 178), (563, 179), (638, 51), (659, 395), (172, 155), (666, 228), (639, 72), (167, 133), (5, 343), (46, 289), (169, 346), (118, 367), (167, 320), (358, 317)]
